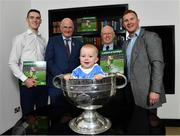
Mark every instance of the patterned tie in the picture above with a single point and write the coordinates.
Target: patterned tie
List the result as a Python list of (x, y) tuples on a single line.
[(67, 46)]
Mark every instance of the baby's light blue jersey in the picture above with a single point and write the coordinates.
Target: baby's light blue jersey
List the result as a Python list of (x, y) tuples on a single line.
[(80, 73)]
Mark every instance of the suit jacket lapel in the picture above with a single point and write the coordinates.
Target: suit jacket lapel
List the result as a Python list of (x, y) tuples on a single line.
[(135, 51), (60, 40), (72, 48), (136, 48)]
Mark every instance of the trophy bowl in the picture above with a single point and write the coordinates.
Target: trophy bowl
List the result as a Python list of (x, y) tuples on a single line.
[(89, 94)]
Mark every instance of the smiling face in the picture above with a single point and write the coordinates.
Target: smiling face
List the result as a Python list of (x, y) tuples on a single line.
[(34, 20), (130, 22), (67, 27), (88, 56), (107, 34)]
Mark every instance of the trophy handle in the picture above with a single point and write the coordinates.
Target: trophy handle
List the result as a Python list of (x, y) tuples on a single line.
[(57, 81), (119, 75)]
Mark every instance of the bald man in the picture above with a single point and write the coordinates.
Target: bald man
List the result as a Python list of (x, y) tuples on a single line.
[(62, 56), (107, 36)]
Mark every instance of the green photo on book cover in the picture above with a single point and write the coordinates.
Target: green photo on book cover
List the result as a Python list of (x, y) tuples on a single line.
[(36, 70), (112, 61), (86, 24)]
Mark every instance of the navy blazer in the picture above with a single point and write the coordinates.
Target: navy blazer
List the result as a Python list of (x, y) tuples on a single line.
[(57, 57)]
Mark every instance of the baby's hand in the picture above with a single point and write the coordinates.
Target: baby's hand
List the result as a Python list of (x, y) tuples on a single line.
[(67, 77), (98, 77)]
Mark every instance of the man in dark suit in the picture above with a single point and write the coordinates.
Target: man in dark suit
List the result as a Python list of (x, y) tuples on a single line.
[(108, 40), (109, 44), (107, 36), (144, 64), (62, 56)]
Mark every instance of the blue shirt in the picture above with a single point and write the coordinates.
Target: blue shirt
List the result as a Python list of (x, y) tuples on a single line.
[(80, 73), (131, 41)]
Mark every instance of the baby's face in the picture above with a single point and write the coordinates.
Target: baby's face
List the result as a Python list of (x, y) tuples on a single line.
[(88, 57)]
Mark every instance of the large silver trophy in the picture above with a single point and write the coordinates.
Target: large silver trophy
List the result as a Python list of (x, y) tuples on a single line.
[(89, 94)]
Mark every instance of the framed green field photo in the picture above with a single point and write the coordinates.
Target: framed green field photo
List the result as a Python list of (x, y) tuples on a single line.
[(86, 24)]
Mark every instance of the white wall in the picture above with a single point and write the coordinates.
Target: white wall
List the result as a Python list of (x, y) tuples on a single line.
[(12, 16), (151, 12)]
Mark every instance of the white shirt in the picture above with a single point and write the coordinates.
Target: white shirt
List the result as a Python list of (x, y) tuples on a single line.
[(110, 47), (27, 46)]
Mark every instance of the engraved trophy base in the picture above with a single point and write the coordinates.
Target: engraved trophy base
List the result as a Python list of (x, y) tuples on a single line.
[(90, 122)]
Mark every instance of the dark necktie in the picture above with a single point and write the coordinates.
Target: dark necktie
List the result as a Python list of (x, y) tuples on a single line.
[(67, 46), (107, 47)]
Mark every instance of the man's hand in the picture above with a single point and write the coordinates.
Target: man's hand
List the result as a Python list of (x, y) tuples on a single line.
[(30, 82), (153, 98)]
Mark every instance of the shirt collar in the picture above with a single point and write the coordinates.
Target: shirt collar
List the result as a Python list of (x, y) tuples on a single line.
[(89, 69), (29, 31), (136, 34), (66, 38), (110, 45)]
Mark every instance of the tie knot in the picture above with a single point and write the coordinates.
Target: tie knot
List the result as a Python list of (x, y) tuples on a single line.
[(67, 42), (107, 47)]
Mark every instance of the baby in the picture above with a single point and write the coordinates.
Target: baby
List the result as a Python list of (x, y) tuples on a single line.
[(89, 68)]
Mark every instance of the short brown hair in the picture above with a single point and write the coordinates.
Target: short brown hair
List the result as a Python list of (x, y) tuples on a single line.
[(33, 10), (129, 11)]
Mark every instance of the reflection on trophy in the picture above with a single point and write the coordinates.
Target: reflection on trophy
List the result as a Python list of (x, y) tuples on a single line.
[(89, 94)]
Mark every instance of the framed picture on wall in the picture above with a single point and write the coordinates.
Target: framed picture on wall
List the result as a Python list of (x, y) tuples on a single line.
[(86, 24)]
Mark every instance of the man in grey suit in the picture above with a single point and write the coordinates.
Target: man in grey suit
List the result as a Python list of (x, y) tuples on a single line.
[(144, 65)]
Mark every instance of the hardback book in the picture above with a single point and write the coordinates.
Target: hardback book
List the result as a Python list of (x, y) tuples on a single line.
[(37, 70), (112, 61), (86, 24)]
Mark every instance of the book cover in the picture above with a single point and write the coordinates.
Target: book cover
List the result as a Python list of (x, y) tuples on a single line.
[(35, 69), (86, 24), (112, 61)]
